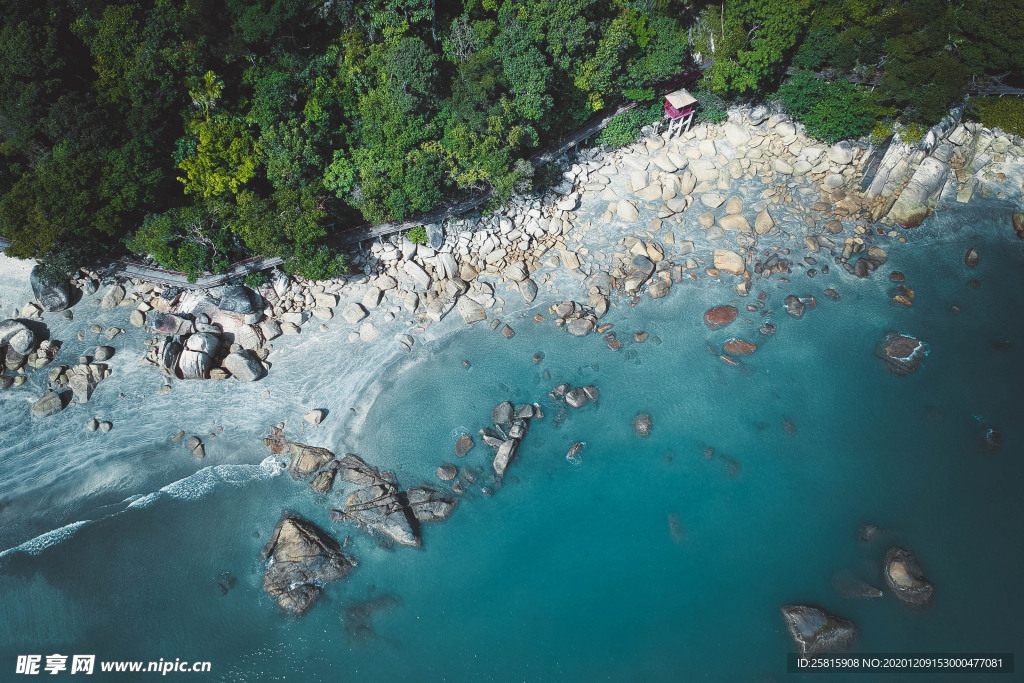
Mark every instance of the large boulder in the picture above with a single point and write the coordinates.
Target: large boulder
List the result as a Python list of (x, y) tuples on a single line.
[(49, 404), (239, 299), (305, 460), (504, 456), (379, 509), (919, 197), (503, 413), (900, 353), (112, 297), (814, 630), (905, 578), (51, 296), (302, 557), (729, 262), (429, 504), (470, 310), (245, 366), (194, 364), (17, 336)]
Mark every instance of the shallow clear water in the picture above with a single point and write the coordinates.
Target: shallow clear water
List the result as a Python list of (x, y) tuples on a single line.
[(573, 573)]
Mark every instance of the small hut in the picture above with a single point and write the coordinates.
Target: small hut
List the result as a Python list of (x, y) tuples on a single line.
[(679, 108)]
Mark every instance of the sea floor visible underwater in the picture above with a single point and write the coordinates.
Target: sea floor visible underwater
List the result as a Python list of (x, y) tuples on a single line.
[(646, 562)]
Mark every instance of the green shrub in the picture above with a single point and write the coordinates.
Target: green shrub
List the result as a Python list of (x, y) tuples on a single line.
[(913, 133), (417, 235), (711, 107), (624, 129), (254, 280), (830, 110), (1001, 112)]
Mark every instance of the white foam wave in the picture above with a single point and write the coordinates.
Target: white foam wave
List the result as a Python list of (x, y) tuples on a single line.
[(41, 543)]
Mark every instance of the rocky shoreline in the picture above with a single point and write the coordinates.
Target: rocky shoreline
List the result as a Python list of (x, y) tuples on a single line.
[(657, 216)]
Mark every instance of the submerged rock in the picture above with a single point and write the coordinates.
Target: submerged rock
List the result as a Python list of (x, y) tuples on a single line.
[(302, 557), (901, 354), (642, 425), (720, 316), (905, 578), (852, 587), (814, 630)]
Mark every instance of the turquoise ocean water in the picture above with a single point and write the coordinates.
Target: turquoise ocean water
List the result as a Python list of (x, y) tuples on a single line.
[(575, 573)]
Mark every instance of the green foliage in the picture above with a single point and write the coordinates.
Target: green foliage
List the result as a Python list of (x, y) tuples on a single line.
[(284, 117), (1000, 112), (913, 133), (417, 235), (254, 280), (830, 110), (224, 160), (624, 129), (711, 107)]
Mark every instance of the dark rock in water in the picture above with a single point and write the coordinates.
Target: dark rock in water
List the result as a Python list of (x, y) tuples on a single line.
[(824, 270), (305, 460), (560, 391), (901, 354), (447, 472), (974, 284), (575, 453), (464, 445), (860, 268), (905, 578), (355, 470), (788, 426), (524, 411), (591, 391), (867, 532), (429, 504), (720, 316), (51, 296), (767, 329), (577, 398), (831, 294), (491, 439), (486, 491), (738, 347), (733, 467), (49, 404), (504, 456), (794, 306), (992, 440), (302, 558), (639, 337), (469, 474), (1001, 344), (642, 425), (709, 453), (852, 587), (226, 582), (358, 617), (897, 276), (502, 414), (378, 508), (814, 630), (971, 258), (538, 357)]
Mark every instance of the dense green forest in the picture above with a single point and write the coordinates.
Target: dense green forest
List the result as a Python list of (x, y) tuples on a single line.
[(201, 131)]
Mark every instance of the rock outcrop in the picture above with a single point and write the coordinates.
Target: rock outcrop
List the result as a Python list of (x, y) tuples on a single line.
[(901, 353), (814, 630), (301, 558), (905, 578), (51, 296)]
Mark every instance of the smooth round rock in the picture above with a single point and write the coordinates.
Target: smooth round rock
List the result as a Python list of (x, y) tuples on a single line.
[(447, 472)]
